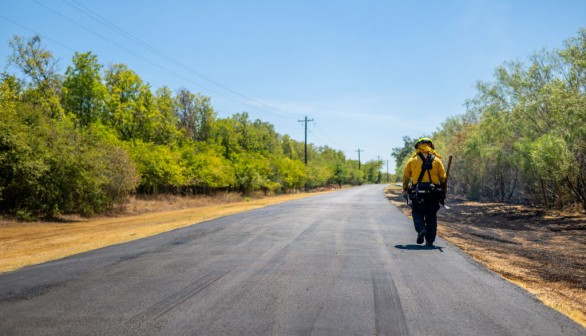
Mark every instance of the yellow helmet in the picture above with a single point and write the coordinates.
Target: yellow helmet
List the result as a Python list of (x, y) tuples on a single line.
[(425, 140)]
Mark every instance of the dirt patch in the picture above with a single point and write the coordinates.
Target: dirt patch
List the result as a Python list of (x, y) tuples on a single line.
[(23, 244), (545, 253)]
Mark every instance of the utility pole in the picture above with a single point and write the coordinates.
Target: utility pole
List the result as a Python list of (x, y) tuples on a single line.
[(359, 150), (387, 171), (305, 122)]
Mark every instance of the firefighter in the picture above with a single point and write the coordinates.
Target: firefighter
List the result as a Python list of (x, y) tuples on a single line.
[(423, 179)]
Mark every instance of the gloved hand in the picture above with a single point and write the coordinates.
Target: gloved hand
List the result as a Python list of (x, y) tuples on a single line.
[(404, 194)]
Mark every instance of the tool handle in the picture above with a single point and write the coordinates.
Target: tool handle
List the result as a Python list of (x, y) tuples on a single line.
[(445, 184), (448, 170)]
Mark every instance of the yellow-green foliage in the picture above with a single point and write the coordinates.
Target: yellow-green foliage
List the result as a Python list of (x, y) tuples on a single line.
[(523, 137), (80, 142)]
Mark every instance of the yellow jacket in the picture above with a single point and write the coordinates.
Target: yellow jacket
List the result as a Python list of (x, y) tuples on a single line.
[(413, 169)]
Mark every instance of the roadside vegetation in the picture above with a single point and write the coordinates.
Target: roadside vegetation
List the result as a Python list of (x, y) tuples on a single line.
[(82, 141), (523, 137)]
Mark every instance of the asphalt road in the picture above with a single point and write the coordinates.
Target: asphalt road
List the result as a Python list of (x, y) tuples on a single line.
[(343, 263)]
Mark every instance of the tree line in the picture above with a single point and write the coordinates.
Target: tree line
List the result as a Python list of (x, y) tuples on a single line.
[(522, 138), (82, 141)]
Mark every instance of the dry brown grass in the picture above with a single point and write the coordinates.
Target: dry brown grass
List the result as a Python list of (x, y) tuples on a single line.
[(23, 244), (541, 252), (166, 202)]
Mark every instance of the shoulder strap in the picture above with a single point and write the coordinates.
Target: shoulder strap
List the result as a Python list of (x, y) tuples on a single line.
[(426, 165), (422, 168)]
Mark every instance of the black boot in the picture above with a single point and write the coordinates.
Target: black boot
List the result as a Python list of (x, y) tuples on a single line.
[(421, 236)]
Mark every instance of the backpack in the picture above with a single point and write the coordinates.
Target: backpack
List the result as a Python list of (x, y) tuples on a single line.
[(425, 191)]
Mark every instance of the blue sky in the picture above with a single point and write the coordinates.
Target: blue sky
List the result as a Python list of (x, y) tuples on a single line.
[(367, 72)]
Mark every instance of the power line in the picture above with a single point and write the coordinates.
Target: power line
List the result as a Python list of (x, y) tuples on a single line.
[(328, 138), (72, 49), (124, 48), (138, 55), (36, 33), (87, 11), (114, 43)]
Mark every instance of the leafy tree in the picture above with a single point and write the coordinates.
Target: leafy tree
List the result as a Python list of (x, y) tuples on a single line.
[(243, 126), (83, 91), (354, 175), (48, 167), (159, 167), (572, 100), (129, 103), (226, 135), (289, 174), (206, 169), (40, 67), (372, 171), (574, 55), (164, 120), (85, 176), (252, 171), (290, 147), (340, 174), (318, 174), (21, 152), (196, 114)]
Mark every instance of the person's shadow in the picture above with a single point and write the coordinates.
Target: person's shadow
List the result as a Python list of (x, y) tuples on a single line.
[(412, 247)]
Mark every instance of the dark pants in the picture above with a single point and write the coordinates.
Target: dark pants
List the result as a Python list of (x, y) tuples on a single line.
[(425, 217)]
